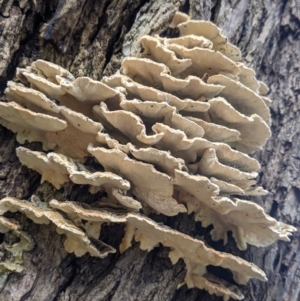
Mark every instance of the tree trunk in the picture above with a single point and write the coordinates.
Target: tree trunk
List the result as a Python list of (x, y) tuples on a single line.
[(89, 38)]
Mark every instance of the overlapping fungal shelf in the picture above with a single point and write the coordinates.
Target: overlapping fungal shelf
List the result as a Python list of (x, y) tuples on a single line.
[(173, 131)]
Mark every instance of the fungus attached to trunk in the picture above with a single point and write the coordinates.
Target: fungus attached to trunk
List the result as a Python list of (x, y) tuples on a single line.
[(172, 131)]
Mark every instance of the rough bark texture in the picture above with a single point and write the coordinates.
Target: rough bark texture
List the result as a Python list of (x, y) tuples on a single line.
[(87, 37)]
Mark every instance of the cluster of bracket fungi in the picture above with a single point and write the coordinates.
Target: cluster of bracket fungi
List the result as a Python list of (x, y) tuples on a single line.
[(173, 131)]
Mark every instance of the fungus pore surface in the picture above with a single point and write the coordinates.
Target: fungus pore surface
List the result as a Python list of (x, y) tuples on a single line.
[(173, 131)]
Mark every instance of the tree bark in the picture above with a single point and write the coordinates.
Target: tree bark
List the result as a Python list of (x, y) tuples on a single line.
[(89, 38)]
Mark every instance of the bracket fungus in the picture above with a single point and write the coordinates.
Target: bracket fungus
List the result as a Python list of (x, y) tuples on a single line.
[(76, 241), (173, 131)]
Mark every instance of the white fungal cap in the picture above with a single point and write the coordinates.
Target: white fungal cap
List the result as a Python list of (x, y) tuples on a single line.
[(149, 185), (212, 33), (87, 90), (50, 70), (149, 73), (158, 52), (194, 252), (76, 241), (30, 99), (205, 61), (151, 94), (243, 99)]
